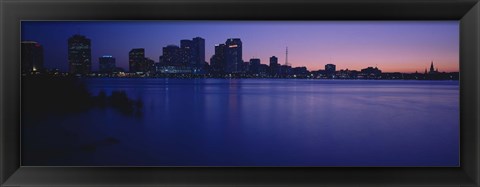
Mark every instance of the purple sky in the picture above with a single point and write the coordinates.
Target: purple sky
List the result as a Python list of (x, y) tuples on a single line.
[(393, 46)]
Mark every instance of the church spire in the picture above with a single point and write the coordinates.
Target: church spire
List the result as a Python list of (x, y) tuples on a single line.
[(431, 68)]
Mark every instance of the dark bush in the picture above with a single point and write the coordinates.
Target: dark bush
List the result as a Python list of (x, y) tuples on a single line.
[(60, 95)]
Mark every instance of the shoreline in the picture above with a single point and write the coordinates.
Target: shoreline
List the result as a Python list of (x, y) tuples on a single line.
[(237, 78)]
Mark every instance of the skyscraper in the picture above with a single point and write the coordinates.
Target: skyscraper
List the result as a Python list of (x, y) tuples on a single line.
[(173, 55), (149, 66), (186, 53), (79, 55), (330, 70), (218, 59), (273, 61), (32, 56), (198, 51), (274, 66), (136, 60), (193, 52), (106, 64), (233, 55)]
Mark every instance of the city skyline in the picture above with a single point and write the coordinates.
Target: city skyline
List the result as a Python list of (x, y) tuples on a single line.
[(443, 49)]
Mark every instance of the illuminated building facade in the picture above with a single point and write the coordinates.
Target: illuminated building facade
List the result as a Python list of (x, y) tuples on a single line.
[(136, 60), (31, 57), (198, 52), (186, 53), (173, 55), (106, 64), (233, 55), (192, 52), (79, 55)]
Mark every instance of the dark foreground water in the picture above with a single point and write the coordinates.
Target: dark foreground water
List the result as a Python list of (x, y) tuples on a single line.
[(248, 122)]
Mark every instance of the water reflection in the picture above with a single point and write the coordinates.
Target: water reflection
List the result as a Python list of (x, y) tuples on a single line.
[(246, 122)]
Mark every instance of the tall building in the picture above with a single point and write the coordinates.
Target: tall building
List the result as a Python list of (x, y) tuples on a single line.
[(172, 55), (186, 53), (233, 55), (198, 51), (149, 66), (254, 66), (32, 56), (79, 55), (136, 60), (273, 61), (330, 70), (106, 64), (193, 52), (217, 62), (274, 66)]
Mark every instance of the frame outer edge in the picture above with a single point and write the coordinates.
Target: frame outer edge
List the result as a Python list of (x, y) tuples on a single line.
[(1, 94), (476, 177), (6, 169), (469, 53), (2, 83), (477, 7)]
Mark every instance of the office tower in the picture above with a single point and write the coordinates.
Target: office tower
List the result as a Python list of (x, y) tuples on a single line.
[(32, 56), (217, 62), (136, 60), (273, 61), (198, 52), (254, 66), (79, 55), (330, 70), (106, 64), (149, 65), (193, 52), (186, 53), (172, 56), (233, 55), (274, 66)]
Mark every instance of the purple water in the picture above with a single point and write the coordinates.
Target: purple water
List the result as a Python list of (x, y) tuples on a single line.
[(258, 122)]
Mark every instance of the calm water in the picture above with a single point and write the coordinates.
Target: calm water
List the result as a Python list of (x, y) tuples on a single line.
[(248, 122)]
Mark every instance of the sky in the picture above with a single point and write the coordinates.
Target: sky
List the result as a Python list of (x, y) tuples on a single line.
[(392, 46)]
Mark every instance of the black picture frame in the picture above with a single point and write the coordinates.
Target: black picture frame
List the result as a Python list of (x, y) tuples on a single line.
[(13, 11)]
